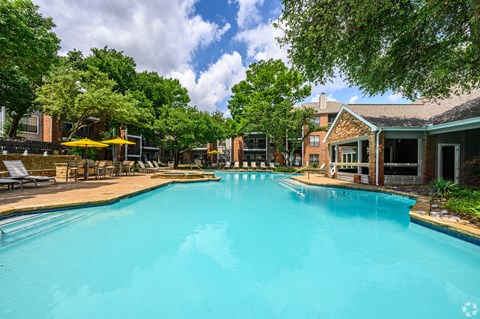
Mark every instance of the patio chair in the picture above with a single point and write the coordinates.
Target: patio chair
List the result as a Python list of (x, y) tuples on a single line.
[(227, 165), (262, 165), (104, 168), (145, 169), (17, 171), (272, 166), (236, 165), (11, 182), (245, 165), (128, 167), (72, 166), (253, 165)]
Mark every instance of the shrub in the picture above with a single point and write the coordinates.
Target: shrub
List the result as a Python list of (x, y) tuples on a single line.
[(443, 187), (471, 172)]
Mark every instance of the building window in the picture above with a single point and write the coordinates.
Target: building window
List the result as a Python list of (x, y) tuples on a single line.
[(29, 124), (313, 158), (314, 140), (315, 120), (331, 118)]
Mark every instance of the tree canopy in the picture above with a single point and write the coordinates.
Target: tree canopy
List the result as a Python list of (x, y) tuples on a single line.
[(265, 102), (28, 50), (72, 95), (417, 48)]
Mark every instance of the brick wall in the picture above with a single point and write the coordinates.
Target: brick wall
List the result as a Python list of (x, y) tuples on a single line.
[(238, 149), (319, 150)]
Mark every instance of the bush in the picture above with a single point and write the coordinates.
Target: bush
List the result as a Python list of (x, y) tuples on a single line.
[(443, 187), (471, 172)]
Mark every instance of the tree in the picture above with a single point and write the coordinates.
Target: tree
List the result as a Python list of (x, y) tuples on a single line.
[(28, 49), (417, 48), (182, 128), (117, 66), (265, 102), (72, 95)]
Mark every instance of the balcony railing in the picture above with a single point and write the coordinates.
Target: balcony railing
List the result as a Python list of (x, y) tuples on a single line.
[(255, 146)]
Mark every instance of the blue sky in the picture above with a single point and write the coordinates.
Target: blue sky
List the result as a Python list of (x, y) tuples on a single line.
[(206, 44)]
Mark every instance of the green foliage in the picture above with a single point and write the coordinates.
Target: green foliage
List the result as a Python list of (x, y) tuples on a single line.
[(76, 95), (466, 201), (443, 187), (416, 48), (283, 169), (119, 67), (265, 102), (28, 49)]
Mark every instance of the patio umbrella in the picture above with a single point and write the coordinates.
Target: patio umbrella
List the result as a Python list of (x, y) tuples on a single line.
[(86, 143), (118, 141)]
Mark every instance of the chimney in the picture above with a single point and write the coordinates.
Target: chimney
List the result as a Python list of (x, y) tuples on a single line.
[(323, 101)]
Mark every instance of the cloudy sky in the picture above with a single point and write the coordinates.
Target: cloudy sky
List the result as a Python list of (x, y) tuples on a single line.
[(206, 44)]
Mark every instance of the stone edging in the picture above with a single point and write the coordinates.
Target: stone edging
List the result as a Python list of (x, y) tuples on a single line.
[(418, 211)]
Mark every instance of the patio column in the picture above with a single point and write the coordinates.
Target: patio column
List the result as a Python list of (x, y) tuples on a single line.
[(359, 156)]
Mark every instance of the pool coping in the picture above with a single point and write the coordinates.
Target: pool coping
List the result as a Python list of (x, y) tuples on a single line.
[(15, 212), (417, 212)]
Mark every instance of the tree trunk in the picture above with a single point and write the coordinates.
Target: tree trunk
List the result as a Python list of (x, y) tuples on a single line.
[(176, 157), (12, 132)]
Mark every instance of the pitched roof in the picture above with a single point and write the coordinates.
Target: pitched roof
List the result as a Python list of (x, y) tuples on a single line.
[(332, 107), (452, 109)]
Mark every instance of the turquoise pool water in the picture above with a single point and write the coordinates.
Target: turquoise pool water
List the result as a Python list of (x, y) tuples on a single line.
[(246, 247)]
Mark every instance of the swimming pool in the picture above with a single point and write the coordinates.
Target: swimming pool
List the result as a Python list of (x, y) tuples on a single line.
[(245, 247)]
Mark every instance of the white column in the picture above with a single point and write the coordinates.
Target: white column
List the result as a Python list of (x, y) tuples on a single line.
[(2, 118)]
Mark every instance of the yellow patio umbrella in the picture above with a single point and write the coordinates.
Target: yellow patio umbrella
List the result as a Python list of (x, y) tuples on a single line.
[(86, 143), (118, 141), (214, 152)]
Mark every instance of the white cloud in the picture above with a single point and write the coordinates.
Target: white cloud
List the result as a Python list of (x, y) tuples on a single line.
[(248, 13), (214, 85), (353, 99), (394, 98), (159, 35), (262, 44)]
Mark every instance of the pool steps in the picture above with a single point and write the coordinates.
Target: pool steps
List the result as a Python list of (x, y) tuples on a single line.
[(32, 226), (290, 184)]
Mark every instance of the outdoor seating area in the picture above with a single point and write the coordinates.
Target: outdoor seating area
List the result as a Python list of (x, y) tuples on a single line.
[(249, 166)]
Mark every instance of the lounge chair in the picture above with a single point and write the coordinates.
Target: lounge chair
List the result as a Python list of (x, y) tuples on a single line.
[(17, 171), (253, 165), (262, 165), (245, 165), (236, 165), (272, 166), (11, 182), (150, 165), (145, 169), (227, 165)]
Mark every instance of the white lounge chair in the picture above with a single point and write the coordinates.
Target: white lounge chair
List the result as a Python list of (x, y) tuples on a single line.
[(17, 171), (236, 165), (144, 169), (272, 166), (245, 165), (253, 165), (262, 165), (227, 165), (150, 165)]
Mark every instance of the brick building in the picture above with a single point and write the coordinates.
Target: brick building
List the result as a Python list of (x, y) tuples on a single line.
[(388, 144), (314, 150)]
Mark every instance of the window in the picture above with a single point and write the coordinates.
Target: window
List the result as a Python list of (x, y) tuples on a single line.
[(313, 158), (331, 118), (314, 140), (315, 120), (29, 124)]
